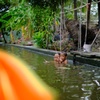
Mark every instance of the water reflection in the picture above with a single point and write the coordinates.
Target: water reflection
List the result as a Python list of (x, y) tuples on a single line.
[(72, 82)]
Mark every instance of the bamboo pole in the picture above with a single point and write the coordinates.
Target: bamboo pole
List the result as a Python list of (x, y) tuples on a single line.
[(82, 6), (95, 38)]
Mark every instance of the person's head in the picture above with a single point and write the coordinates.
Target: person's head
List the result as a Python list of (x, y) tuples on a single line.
[(63, 56), (56, 57)]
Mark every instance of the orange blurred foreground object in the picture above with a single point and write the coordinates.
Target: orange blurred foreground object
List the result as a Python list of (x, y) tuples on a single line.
[(17, 82)]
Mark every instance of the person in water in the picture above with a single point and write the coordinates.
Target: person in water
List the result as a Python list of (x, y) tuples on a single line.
[(57, 57), (63, 58), (60, 58)]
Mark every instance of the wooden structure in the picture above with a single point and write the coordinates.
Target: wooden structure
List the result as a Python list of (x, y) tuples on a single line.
[(80, 53)]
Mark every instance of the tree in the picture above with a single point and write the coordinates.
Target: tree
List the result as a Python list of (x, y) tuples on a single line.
[(88, 12), (99, 13), (75, 11)]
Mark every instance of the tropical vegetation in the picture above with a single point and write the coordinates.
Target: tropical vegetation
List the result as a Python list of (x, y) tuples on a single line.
[(37, 19)]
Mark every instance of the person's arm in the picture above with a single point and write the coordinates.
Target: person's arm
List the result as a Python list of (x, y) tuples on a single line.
[(45, 61)]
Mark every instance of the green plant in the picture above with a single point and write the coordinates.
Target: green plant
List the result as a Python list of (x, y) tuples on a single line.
[(43, 19), (39, 39), (18, 16)]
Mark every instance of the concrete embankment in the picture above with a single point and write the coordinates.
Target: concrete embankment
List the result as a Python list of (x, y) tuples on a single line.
[(92, 58)]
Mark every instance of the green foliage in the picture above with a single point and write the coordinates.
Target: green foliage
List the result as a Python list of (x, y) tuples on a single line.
[(1, 2), (18, 16), (24, 15), (38, 15), (70, 15), (39, 39), (42, 39), (53, 4), (43, 19)]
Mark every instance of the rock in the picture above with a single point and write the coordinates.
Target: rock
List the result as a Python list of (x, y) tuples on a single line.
[(73, 28), (29, 43)]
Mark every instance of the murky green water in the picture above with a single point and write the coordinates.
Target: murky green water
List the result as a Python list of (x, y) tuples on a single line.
[(72, 82)]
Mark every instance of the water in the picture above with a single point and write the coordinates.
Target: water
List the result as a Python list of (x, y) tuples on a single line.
[(72, 82)]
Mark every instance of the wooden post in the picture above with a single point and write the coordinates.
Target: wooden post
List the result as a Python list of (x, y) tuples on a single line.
[(74, 59), (75, 11), (99, 13), (88, 12)]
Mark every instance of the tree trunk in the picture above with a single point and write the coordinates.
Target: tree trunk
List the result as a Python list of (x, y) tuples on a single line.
[(3, 36), (75, 11), (62, 19), (99, 14), (88, 19), (88, 12)]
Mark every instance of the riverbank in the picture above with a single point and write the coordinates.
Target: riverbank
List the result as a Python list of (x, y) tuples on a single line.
[(95, 61)]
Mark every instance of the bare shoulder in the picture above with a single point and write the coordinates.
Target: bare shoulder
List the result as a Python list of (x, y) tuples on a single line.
[(65, 62)]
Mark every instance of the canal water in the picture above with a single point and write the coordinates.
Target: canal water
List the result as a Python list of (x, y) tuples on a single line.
[(81, 82)]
